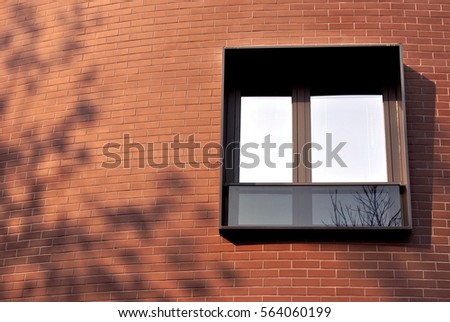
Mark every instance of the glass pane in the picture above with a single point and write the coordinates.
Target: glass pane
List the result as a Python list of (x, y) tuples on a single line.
[(348, 137), (261, 207), (266, 139), (365, 206), (302, 206)]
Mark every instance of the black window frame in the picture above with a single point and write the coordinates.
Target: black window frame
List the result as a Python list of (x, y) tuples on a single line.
[(300, 72)]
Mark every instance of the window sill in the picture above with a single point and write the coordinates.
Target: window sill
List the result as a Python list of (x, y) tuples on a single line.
[(259, 235)]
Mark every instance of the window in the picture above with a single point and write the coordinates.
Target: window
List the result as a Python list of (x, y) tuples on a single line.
[(314, 140)]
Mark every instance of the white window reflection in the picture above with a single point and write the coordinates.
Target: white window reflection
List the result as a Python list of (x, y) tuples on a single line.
[(264, 120), (357, 121)]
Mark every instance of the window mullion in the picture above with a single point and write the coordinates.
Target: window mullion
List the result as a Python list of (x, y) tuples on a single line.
[(302, 203), (302, 134)]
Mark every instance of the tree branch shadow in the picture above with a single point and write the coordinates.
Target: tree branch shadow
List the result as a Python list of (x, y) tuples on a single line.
[(65, 258)]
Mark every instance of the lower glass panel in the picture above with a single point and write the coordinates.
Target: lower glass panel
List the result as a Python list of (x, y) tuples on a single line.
[(270, 206), (315, 206)]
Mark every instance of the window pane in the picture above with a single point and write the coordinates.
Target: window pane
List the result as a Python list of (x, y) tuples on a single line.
[(364, 206), (261, 207), (315, 206), (266, 139), (349, 139)]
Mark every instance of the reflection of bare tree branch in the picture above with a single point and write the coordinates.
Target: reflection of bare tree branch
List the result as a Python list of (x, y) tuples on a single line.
[(372, 208), (342, 217)]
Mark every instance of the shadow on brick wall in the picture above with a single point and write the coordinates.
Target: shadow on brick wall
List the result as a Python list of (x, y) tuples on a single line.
[(26, 68), (104, 253), (420, 113)]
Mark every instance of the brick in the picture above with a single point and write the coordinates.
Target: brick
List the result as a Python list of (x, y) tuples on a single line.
[(330, 291)]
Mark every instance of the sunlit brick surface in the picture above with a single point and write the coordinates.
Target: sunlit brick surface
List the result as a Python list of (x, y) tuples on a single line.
[(77, 75)]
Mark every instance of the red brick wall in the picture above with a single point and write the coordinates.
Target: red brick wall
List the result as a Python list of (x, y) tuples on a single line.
[(78, 75)]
